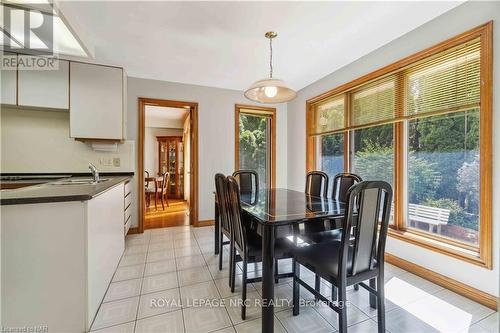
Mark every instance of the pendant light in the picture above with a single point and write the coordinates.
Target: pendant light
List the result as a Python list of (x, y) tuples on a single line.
[(271, 90)]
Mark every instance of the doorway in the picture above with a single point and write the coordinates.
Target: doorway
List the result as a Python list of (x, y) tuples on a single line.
[(168, 163), (255, 142)]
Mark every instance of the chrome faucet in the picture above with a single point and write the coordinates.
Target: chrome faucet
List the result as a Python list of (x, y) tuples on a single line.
[(95, 173)]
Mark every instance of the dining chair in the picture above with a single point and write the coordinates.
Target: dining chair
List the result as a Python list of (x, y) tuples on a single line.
[(159, 191), (224, 224), (164, 189), (354, 258), (331, 230), (247, 242), (317, 183), (146, 185), (248, 180)]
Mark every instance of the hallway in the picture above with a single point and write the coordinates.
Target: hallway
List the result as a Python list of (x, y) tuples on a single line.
[(176, 214)]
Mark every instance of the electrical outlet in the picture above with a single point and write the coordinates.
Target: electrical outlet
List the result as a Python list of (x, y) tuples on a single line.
[(116, 161)]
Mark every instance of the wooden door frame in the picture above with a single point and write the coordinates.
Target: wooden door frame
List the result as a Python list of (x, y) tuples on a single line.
[(257, 110), (193, 193)]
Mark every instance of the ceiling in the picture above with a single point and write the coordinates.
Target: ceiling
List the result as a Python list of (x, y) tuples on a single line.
[(165, 117), (222, 44)]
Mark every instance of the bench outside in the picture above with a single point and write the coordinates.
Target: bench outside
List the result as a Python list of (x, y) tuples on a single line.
[(432, 216)]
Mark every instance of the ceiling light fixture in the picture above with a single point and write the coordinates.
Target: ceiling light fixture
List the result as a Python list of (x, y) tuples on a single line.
[(270, 91)]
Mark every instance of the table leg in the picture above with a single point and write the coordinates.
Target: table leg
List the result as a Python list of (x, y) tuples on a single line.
[(217, 226), (267, 279)]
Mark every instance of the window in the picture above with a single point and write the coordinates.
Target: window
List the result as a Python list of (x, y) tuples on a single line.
[(443, 175), (423, 125), (255, 142), (330, 152)]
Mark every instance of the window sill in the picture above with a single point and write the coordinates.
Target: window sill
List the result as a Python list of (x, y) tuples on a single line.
[(473, 257)]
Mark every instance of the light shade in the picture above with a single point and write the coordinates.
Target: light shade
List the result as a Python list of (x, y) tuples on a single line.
[(270, 91)]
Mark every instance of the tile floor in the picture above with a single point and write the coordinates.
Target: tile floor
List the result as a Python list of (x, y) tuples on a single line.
[(165, 274)]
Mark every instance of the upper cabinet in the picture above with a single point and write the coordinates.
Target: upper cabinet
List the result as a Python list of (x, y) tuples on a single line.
[(95, 95), (96, 101), (8, 84), (44, 88)]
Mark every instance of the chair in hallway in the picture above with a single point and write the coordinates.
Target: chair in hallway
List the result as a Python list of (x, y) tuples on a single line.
[(358, 256), (159, 191)]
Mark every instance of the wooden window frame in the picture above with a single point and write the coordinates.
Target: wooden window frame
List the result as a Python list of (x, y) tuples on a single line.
[(481, 255), (257, 111)]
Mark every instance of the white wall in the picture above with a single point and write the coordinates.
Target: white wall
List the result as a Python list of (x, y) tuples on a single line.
[(452, 23), (39, 142), (151, 146), (215, 132)]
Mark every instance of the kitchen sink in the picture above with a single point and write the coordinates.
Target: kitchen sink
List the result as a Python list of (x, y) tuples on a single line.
[(79, 181)]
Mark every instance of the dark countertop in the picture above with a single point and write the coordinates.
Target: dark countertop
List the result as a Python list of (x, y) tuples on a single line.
[(54, 191)]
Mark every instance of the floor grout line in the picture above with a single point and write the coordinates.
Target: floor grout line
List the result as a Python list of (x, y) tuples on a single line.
[(179, 242)]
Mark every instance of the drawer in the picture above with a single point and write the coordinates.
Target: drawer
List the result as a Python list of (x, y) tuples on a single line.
[(128, 212), (128, 188), (127, 225), (128, 201)]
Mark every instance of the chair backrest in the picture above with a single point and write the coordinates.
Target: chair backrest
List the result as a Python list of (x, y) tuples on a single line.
[(146, 175), (341, 184), (164, 182), (371, 202), (234, 210), (248, 180), (221, 193), (317, 183)]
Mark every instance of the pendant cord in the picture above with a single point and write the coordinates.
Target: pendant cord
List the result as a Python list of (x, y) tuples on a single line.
[(271, 58)]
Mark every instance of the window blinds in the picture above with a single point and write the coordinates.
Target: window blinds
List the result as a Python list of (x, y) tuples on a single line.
[(449, 81)]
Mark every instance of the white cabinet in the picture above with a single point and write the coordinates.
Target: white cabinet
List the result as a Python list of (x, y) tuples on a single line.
[(128, 207), (45, 88), (8, 84), (58, 260), (96, 101), (105, 244)]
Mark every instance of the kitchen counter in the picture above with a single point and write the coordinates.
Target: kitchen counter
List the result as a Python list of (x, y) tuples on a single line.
[(58, 191)]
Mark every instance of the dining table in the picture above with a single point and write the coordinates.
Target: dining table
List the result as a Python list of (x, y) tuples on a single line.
[(274, 210)]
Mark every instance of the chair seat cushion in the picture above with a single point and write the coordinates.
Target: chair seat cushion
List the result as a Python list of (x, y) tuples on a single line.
[(323, 258)]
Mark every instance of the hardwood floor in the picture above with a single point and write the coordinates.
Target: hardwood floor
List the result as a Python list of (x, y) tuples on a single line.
[(174, 215)]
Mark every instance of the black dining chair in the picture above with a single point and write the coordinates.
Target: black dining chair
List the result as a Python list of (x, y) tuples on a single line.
[(248, 180), (330, 230), (317, 183), (247, 242), (354, 258), (224, 223)]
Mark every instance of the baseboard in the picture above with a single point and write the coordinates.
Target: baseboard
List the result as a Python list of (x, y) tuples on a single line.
[(133, 231), (204, 223), (444, 281)]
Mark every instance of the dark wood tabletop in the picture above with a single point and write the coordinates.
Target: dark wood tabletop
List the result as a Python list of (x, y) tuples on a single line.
[(282, 206)]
